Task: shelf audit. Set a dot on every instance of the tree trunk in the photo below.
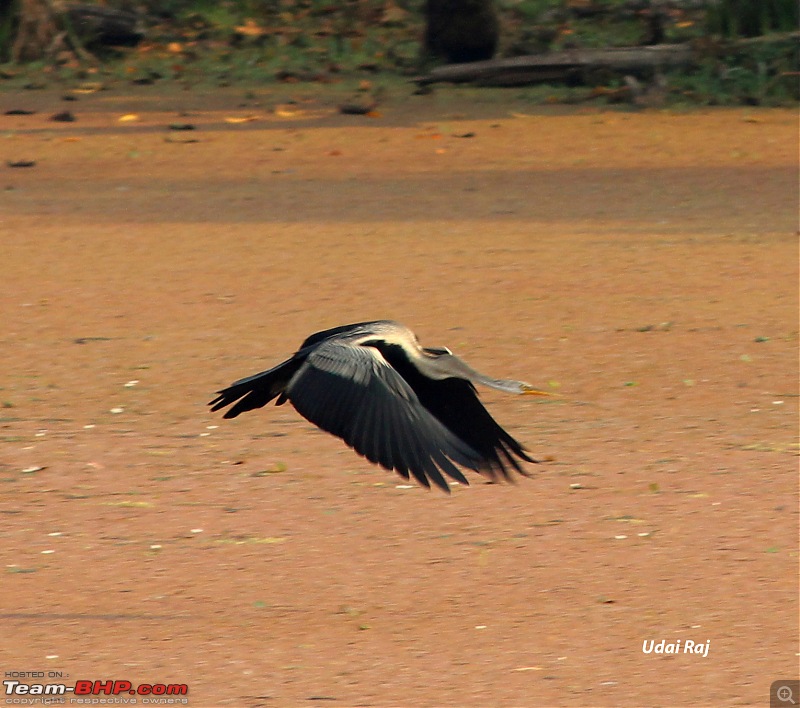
(36, 32)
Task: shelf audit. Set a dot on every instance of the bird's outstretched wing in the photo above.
(454, 402)
(352, 392)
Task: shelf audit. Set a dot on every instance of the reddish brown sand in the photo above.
(644, 264)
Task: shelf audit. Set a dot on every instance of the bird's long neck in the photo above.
(449, 365)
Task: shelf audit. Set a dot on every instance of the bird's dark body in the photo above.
(365, 383)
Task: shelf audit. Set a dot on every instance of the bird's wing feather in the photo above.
(352, 392)
(454, 402)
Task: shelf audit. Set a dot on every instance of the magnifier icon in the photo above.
(784, 694)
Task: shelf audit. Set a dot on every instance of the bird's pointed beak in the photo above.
(537, 392)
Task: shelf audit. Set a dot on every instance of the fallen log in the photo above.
(565, 66)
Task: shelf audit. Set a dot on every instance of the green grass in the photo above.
(196, 45)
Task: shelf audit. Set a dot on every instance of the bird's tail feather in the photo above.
(254, 391)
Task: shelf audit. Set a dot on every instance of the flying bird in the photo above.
(408, 408)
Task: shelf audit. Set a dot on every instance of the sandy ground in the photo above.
(642, 265)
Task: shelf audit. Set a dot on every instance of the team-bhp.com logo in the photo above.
(151, 692)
